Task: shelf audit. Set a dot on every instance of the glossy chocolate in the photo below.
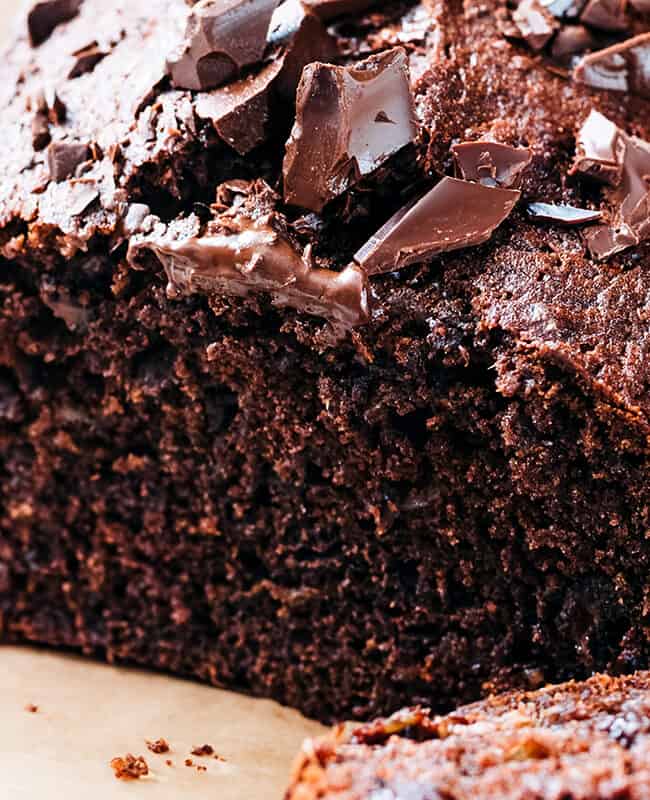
(535, 23)
(491, 163)
(599, 150)
(563, 214)
(624, 67)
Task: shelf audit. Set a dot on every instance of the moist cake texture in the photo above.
(302, 390)
(576, 740)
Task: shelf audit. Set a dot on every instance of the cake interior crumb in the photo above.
(129, 767)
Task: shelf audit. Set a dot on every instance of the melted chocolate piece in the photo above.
(599, 150)
(301, 38)
(328, 9)
(535, 23)
(491, 163)
(44, 17)
(608, 15)
(453, 215)
(624, 67)
(349, 121)
(563, 214)
(63, 158)
(222, 37)
(240, 110)
(245, 250)
(86, 59)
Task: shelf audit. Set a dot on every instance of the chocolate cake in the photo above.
(324, 343)
(577, 740)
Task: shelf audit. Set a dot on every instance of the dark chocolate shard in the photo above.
(563, 214)
(607, 15)
(221, 38)
(491, 163)
(624, 67)
(43, 18)
(341, 133)
(630, 204)
(86, 59)
(453, 215)
(298, 37)
(600, 149)
(40, 129)
(535, 23)
(246, 250)
(328, 9)
(240, 110)
(63, 158)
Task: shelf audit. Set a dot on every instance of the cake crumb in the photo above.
(169, 762)
(31, 708)
(203, 750)
(189, 762)
(158, 746)
(201, 768)
(129, 768)
(217, 757)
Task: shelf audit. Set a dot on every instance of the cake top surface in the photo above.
(362, 195)
(574, 740)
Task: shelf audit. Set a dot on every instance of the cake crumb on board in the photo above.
(129, 767)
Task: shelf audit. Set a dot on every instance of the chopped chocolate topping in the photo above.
(43, 17)
(608, 15)
(129, 768)
(40, 131)
(63, 158)
(240, 110)
(86, 58)
(158, 746)
(328, 9)
(222, 37)
(565, 215)
(535, 23)
(349, 121)
(599, 150)
(453, 215)
(302, 38)
(491, 163)
(241, 251)
(624, 67)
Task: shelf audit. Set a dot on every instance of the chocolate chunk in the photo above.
(328, 9)
(349, 121)
(491, 163)
(453, 215)
(629, 203)
(535, 23)
(86, 59)
(80, 196)
(44, 17)
(608, 15)
(240, 110)
(245, 250)
(564, 9)
(40, 131)
(564, 214)
(63, 158)
(222, 36)
(572, 40)
(600, 149)
(301, 38)
(624, 67)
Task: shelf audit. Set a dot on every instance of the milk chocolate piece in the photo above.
(63, 158)
(491, 163)
(300, 37)
(245, 250)
(240, 110)
(600, 149)
(563, 214)
(572, 40)
(43, 18)
(608, 15)
(86, 59)
(40, 130)
(624, 67)
(221, 38)
(453, 215)
(328, 9)
(535, 23)
(564, 9)
(349, 121)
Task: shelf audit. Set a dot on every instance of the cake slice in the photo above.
(576, 740)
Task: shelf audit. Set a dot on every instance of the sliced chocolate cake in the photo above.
(577, 740)
(325, 342)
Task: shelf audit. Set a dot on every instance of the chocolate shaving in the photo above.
(563, 214)
(536, 25)
(45, 16)
(86, 59)
(63, 158)
(221, 38)
(341, 132)
(608, 15)
(624, 67)
(453, 215)
(600, 149)
(491, 163)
